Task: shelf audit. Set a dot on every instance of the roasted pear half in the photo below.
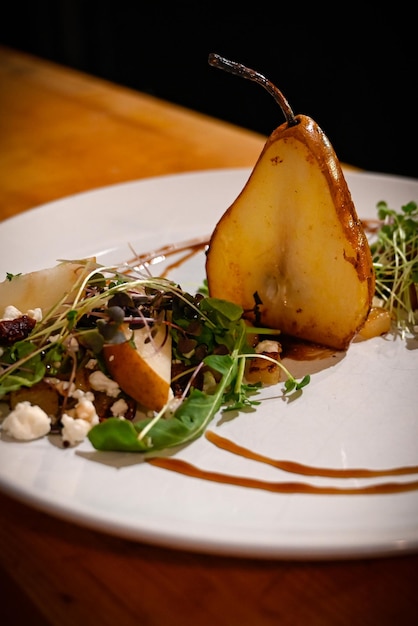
(291, 249)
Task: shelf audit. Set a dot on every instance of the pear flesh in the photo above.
(45, 288)
(142, 367)
(293, 241)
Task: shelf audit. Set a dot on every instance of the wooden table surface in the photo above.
(63, 132)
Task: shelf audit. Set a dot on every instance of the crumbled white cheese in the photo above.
(35, 314)
(77, 425)
(79, 393)
(65, 388)
(119, 407)
(85, 410)
(72, 344)
(27, 422)
(100, 382)
(74, 430)
(12, 313)
(268, 345)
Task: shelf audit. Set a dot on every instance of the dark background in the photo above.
(352, 68)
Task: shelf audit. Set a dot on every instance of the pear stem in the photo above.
(241, 70)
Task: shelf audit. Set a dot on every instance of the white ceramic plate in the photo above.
(361, 412)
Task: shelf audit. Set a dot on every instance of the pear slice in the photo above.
(142, 367)
(291, 249)
(45, 288)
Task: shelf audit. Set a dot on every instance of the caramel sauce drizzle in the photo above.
(187, 469)
(189, 248)
(306, 470)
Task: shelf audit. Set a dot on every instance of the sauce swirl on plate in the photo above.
(183, 467)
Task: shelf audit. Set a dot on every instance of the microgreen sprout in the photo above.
(10, 276)
(395, 261)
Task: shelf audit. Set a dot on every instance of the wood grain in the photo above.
(62, 132)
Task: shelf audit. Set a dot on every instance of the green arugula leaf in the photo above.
(26, 367)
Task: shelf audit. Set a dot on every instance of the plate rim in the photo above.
(376, 549)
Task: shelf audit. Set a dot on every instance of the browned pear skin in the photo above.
(293, 237)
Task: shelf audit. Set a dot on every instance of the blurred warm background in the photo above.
(353, 69)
